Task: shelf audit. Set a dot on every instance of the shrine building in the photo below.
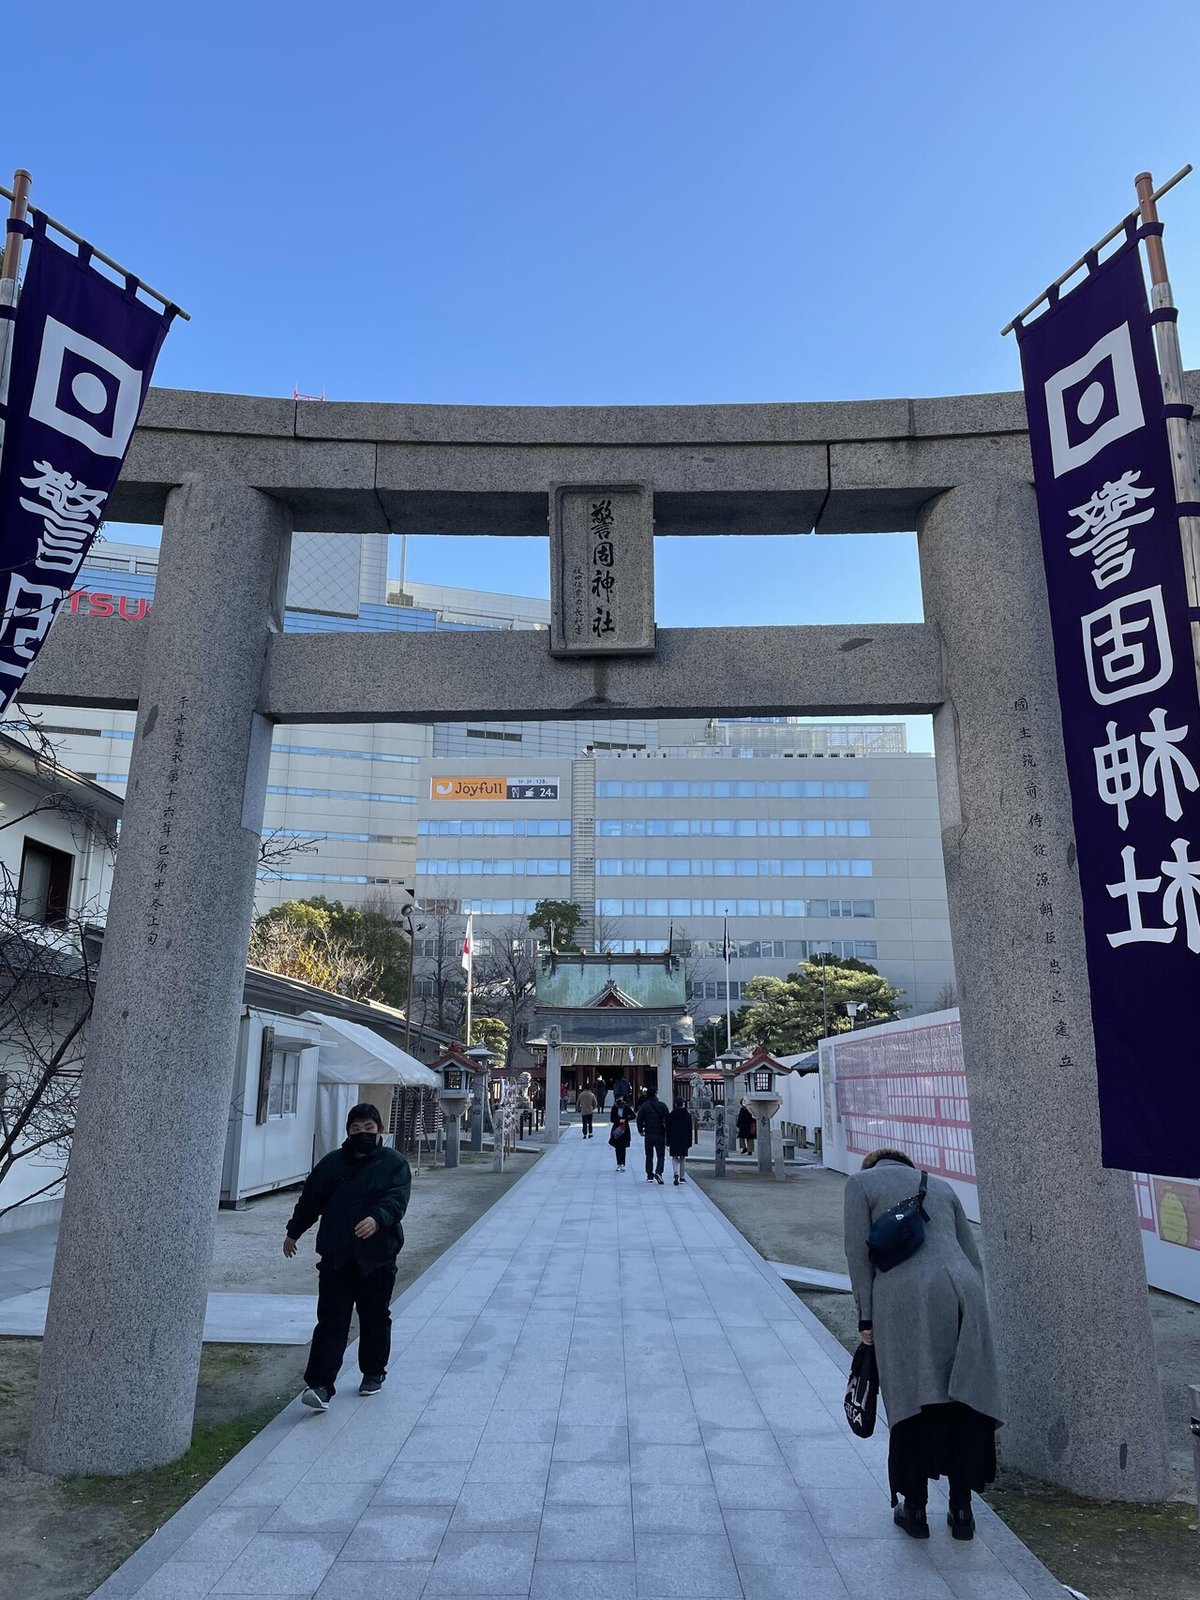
(611, 1016)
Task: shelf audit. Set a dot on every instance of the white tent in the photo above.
(352, 1055)
(800, 1091)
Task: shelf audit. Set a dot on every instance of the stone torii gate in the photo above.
(209, 673)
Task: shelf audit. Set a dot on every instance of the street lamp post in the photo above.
(412, 929)
(853, 1007)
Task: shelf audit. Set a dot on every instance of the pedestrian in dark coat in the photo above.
(623, 1091)
(620, 1136)
(679, 1138)
(360, 1192)
(928, 1320)
(747, 1130)
(652, 1125)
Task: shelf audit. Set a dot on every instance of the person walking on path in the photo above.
(620, 1137)
(586, 1105)
(360, 1192)
(747, 1130)
(928, 1320)
(652, 1125)
(622, 1091)
(679, 1138)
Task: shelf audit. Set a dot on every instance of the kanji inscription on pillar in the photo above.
(601, 570)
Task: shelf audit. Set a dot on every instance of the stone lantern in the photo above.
(482, 1060)
(729, 1065)
(456, 1070)
(762, 1072)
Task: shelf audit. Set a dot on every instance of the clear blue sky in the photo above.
(504, 201)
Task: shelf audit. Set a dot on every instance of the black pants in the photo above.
(587, 1123)
(620, 1149)
(656, 1151)
(342, 1291)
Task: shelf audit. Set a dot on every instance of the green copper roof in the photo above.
(567, 981)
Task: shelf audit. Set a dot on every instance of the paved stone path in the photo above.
(601, 1390)
(27, 1264)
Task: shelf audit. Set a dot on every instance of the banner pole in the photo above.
(10, 271)
(1170, 369)
(1083, 260)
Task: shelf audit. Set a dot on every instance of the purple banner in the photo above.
(83, 351)
(1128, 698)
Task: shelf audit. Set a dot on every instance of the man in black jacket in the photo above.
(360, 1193)
(652, 1125)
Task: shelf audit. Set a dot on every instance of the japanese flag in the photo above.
(468, 949)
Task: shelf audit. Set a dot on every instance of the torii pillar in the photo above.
(139, 1216)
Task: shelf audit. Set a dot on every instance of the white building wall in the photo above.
(91, 884)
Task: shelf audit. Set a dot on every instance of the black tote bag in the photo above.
(862, 1392)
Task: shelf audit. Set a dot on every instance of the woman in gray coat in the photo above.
(928, 1321)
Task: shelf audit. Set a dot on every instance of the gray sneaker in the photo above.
(372, 1384)
(316, 1397)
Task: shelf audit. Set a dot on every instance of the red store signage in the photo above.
(100, 604)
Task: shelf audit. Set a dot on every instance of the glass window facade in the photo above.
(493, 908)
(806, 950)
(697, 867)
(731, 789)
(343, 794)
(344, 755)
(732, 827)
(495, 827)
(703, 908)
(322, 833)
(541, 867)
(274, 874)
(777, 949)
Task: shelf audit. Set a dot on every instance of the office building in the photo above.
(811, 837)
(807, 851)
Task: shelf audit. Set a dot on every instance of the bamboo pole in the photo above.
(1170, 368)
(1083, 260)
(10, 271)
(76, 238)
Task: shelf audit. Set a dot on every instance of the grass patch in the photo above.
(160, 1491)
(1030, 1507)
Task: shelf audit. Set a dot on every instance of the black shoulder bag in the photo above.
(900, 1232)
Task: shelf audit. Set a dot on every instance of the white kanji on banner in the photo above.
(28, 613)
(1127, 647)
(1121, 775)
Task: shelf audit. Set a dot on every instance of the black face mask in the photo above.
(361, 1144)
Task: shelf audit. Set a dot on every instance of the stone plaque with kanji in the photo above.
(601, 570)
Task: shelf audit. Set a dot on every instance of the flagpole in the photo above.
(728, 1024)
(10, 271)
(1170, 368)
(470, 966)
